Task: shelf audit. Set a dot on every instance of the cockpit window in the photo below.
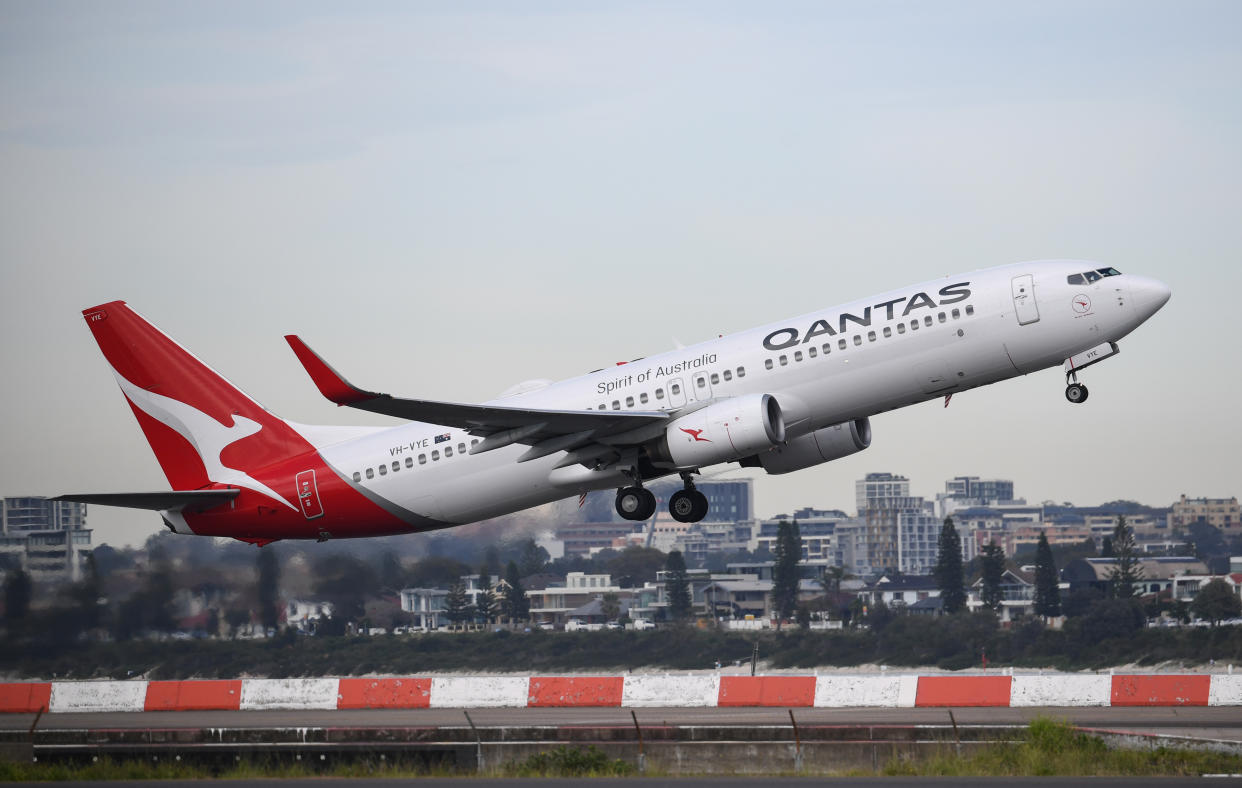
(1075, 279)
(1092, 276)
(1108, 272)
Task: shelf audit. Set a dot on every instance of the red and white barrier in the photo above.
(673, 691)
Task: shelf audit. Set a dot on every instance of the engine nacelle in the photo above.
(723, 432)
(823, 445)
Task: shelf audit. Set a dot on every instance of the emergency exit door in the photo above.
(308, 495)
(1024, 299)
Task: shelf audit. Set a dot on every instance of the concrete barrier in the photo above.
(1161, 690)
(866, 691)
(25, 696)
(767, 691)
(193, 695)
(575, 691)
(384, 694)
(671, 691)
(479, 692)
(963, 691)
(1226, 691)
(289, 694)
(1060, 690)
(69, 696)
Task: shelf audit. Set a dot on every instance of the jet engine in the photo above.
(722, 432)
(823, 445)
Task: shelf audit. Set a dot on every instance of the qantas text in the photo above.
(783, 338)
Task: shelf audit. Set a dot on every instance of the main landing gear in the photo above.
(1075, 392)
(687, 505)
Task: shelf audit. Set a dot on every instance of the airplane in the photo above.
(781, 397)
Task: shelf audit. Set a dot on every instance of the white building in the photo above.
(47, 539)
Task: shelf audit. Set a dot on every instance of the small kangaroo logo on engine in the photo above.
(696, 434)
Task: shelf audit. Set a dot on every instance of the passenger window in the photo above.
(767, 363)
(857, 339)
(812, 352)
(914, 325)
(888, 332)
(383, 470)
(616, 405)
(674, 389)
(629, 402)
(700, 381)
(474, 443)
(940, 317)
(784, 360)
(901, 328)
(956, 314)
(642, 397)
(448, 451)
(396, 465)
(370, 473)
(927, 321)
(741, 372)
(435, 455)
(422, 459)
(727, 375)
(602, 406)
(409, 462)
(870, 336)
(461, 448)
(1075, 279)
(827, 348)
(970, 310)
(1092, 276)
(715, 378)
(797, 355)
(357, 476)
(659, 393)
(840, 344)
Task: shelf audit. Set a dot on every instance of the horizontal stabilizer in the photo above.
(176, 500)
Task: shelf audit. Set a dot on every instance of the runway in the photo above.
(1210, 722)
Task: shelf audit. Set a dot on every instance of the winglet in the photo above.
(328, 380)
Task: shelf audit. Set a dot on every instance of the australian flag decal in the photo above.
(445, 438)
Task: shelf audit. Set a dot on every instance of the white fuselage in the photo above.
(892, 350)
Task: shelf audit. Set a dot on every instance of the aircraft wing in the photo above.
(179, 500)
(547, 431)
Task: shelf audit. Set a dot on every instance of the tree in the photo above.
(1047, 592)
(269, 588)
(533, 558)
(948, 569)
(457, 604)
(517, 606)
(1126, 573)
(485, 602)
(1216, 601)
(993, 571)
(610, 606)
(635, 565)
(785, 574)
(17, 593)
(677, 586)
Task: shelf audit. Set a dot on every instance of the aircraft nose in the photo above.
(1148, 295)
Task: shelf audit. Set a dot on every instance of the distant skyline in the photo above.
(446, 199)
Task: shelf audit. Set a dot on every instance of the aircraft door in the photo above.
(702, 387)
(676, 393)
(308, 494)
(1024, 299)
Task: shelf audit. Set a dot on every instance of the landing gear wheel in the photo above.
(1076, 393)
(688, 506)
(635, 503)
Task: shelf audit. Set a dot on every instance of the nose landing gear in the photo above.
(1075, 392)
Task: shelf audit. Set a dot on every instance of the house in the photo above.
(426, 606)
(1156, 573)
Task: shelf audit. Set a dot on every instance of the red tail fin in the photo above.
(201, 427)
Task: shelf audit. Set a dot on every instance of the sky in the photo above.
(447, 198)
